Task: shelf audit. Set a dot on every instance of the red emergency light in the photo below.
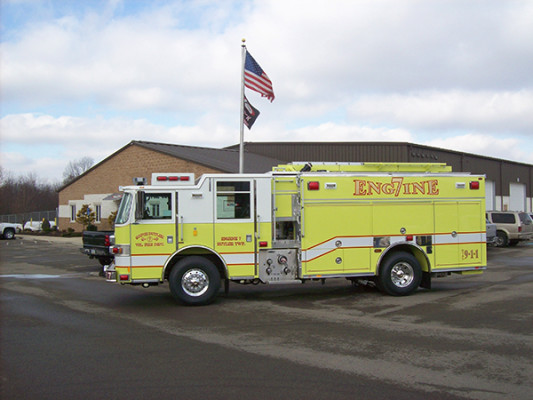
(173, 178)
(474, 185)
(313, 185)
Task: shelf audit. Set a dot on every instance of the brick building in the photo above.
(98, 187)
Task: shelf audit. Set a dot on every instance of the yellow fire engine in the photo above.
(398, 224)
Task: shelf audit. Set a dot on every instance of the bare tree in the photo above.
(76, 168)
(25, 193)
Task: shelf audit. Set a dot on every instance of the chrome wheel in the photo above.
(402, 274)
(195, 282)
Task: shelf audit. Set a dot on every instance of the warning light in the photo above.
(474, 185)
(116, 250)
(313, 185)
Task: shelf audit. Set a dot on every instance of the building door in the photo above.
(490, 195)
(517, 197)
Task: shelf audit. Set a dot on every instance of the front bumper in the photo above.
(491, 240)
(110, 272)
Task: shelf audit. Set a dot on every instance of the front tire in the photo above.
(194, 281)
(400, 274)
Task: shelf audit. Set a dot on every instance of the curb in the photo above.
(52, 239)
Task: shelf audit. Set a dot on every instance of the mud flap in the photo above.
(426, 280)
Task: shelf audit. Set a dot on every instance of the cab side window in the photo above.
(157, 206)
(233, 200)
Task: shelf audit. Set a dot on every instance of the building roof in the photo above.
(225, 160)
(358, 151)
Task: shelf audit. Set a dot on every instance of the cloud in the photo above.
(332, 132)
(29, 137)
(156, 58)
(450, 110)
(487, 145)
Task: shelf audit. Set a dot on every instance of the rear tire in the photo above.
(9, 234)
(194, 281)
(501, 239)
(105, 260)
(400, 274)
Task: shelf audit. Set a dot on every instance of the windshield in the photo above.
(123, 212)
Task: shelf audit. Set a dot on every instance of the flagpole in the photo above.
(241, 145)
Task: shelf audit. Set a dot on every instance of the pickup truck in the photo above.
(96, 245)
(7, 230)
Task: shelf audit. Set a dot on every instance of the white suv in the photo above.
(512, 227)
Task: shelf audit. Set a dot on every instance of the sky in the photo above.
(84, 78)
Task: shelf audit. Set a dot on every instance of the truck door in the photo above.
(238, 226)
(153, 234)
(458, 234)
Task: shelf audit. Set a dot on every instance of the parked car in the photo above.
(7, 230)
(512, 227)
(492, 233)
(36, 226)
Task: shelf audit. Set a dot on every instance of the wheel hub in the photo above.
(402, 274)
(195, 282)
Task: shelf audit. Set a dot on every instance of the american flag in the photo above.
(256, 79)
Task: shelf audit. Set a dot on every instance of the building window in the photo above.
(73, 213)
(98, 213)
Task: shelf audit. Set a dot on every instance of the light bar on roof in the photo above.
(172, 179)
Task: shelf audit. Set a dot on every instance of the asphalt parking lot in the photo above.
(68, 333)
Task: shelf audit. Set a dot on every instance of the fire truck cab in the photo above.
(396, 224)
